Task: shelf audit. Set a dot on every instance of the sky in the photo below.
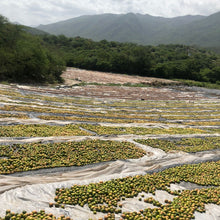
(35, 12)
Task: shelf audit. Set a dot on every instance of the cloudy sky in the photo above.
(35, 12)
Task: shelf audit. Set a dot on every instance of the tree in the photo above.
(24, 58)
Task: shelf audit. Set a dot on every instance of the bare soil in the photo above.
(156, 89)
(73, 76)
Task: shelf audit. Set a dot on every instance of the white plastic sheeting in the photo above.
(35, 191)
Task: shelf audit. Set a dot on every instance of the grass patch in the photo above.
(199, 84)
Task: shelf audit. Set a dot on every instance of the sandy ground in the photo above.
(73, 76)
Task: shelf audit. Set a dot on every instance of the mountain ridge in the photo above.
(142, 29)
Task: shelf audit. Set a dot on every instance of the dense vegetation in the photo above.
(29, 55)
(23, 58)
(165, 61)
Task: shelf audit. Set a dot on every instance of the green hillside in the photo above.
(163, 61)
(24, 58)
(33, 31)
(142, 29)
(204, 32)
(28, 55)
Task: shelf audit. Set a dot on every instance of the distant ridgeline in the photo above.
(164, 61)
(144, 29)
(29, 55)
(25, 58)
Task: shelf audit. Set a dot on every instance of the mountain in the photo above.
(142, 29)
(204, 32)
(33, 31)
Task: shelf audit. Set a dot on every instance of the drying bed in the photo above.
(106, 196)
(88, 119)
(33, 215)
(184, 144)
(21, 116)
(37, 130)
(175, 115)
(203, 123)
(107, 130)
(148, 136)
(17, 158)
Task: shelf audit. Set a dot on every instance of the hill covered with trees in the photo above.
(164, 61)
(28, 55)
(24, 58)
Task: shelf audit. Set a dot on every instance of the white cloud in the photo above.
(32, 12)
